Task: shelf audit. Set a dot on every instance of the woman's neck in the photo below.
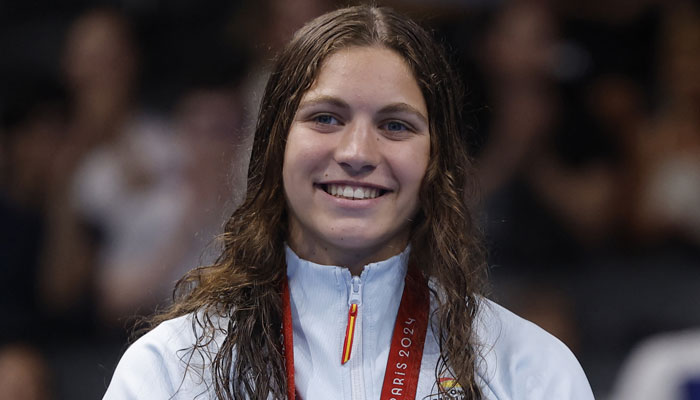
(353, 259)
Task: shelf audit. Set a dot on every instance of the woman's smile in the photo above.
(353, 191)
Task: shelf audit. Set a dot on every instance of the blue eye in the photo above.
(395, 126)
(326, 119)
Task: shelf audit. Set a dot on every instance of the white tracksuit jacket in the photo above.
(520, 360)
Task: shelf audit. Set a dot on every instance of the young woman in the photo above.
(352, 269)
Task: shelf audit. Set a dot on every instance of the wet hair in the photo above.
(243, 286)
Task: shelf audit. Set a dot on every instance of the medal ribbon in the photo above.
(406, 351)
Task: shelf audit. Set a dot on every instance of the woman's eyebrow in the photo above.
(331, 100)
(403, 108)
(388, 109)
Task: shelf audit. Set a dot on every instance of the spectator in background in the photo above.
(99, 69)
(189, 210)
(666, 155)
(591, 228)
(520, 170)
(517, 57)
(153, 192)
(49, 290)
(33, 124)
(116, 205)
(663, 166)
(646, 188)
(523, 53)
(120, 172)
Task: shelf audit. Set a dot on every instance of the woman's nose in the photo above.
(358, 149)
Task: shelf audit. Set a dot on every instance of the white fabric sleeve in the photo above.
(524, 362)
(161, 365)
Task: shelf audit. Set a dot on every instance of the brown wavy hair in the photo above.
(243, 286)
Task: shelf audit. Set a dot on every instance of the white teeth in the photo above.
(350, 192)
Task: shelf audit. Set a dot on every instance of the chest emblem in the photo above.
(443, 387)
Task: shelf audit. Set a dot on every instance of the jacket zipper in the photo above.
(354, 325)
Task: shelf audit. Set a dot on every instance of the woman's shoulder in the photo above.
(167, 334)
(521, 358)
(164, 363)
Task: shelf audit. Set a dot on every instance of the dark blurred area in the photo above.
(125, 133)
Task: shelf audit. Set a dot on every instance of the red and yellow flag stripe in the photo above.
(349, 333)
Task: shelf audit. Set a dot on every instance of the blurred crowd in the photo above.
(125, 133)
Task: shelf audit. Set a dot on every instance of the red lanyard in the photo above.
(406, 351)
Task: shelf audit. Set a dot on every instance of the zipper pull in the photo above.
(354, 300)
(355, 291)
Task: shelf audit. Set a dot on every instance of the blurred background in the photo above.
(125, 133)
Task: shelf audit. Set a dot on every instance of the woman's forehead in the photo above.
(367, 73)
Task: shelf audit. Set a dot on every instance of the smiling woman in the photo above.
(352, 270)
(355, 158)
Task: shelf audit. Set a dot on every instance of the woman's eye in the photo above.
(326, 119)
(395, 126)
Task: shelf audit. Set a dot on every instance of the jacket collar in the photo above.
(314, 285)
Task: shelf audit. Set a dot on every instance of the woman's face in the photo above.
(355, 157)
